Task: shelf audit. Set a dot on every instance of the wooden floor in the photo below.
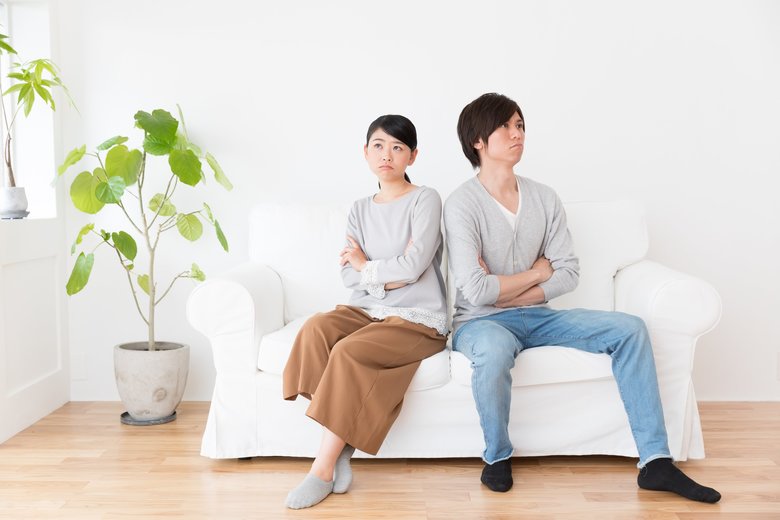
(81, 463)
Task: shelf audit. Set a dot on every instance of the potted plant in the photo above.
(150, 374)
(33, 79)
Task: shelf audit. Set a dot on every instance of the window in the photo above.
(32, 147)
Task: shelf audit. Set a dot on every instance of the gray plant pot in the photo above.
(13, 202)
(151, 383)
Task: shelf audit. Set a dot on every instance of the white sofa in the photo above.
(564, 402)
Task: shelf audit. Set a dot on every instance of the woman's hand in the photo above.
(353, 255)
(483, 265)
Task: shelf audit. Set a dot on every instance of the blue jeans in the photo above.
(493, 342)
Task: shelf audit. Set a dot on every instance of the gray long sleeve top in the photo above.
(475, 227)
(384, 231)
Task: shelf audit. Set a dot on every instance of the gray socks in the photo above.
(343, 472)
(310, 492)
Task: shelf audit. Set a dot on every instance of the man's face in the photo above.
(505, 144)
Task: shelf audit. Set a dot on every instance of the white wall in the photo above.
(673, 103)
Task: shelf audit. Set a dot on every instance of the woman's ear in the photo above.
(365, 151)
(413, 156)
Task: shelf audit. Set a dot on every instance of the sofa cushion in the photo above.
(275, 349)
(301, 242)
(544, 365)
(608, 236)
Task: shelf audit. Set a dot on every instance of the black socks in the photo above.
(498, 476)
(662, 475)
(657, 475)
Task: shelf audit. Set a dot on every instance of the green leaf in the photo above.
(29, 101)
(5, 46)
(80, 274)
(82, 193)
(219, 175)
(196, 273)
(125, 244)
(186, 166)
(155, 146)
(117, 139)
(143, 282)
(189, 226)
(160, 128)
(221, 236)
(124, 163)
(181, 118)
(208, 212)
(26, 88)
(44, 95)
(167, 210)
(111, 191)
(86, 229)
(195, 148)
(72, 158)
(183, 143)
(13, 88)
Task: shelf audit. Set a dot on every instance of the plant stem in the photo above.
(180, 275)
(151, 249)
(166, 197)
(132, 288)
(9, 170)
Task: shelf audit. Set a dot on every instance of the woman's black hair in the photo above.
(397, 126)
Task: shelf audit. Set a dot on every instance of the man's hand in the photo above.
(353, 255)
(522, 288)
(544, 267)
(532, 296)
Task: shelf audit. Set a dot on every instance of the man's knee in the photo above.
(630, 324)
(487, 344)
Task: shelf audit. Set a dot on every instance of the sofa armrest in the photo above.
(234, 310)
(667, 300)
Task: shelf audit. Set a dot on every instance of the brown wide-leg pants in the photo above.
(356, 370)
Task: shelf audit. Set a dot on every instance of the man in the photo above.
(510, 252)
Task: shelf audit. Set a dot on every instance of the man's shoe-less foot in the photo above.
(662, 475)
(498, 476)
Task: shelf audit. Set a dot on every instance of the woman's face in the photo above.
(388, 157)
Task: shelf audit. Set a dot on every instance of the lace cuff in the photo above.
(368, 277)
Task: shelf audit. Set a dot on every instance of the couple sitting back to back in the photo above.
(509, 253)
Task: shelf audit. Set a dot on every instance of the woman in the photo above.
(355, 363)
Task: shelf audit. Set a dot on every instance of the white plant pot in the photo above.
(151, 383)
(13, 202)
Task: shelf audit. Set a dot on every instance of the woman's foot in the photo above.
(310, 492)
(342, 477)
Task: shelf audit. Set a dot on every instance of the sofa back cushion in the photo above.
(301, 243)
(608, 236)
